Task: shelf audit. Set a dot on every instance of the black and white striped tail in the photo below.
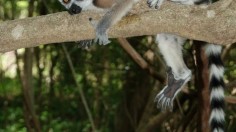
(216, 70)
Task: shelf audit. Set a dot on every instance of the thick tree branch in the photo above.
(214, 24)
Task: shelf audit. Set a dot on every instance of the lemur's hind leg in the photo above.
(178, 74)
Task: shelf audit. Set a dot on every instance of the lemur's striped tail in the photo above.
(216, 70)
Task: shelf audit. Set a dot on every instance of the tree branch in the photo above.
(214, 24)
(81, 91)
(139, 59)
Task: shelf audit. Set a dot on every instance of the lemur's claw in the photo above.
(84, 44)
(102, 39)
(163, 102)
(157, 7)
(155, 3)
(165, 98)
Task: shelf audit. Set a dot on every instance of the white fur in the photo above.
(155, 3)
(85, 4)
(171, 48)
(218, 115)
(213, 49)
(185, 2)
(218, 130)
(158, 3)
(217, 94)
(217, 71)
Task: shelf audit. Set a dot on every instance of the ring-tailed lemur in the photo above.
(115, 10)
(178, 74)
(171, 48)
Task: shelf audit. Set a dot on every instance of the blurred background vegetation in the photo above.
(107, 88)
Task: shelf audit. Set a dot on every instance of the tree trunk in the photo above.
(202, 83)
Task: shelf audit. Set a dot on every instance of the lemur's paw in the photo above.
(84, 44)
(101, 38)
(165, 98)
(163, 101)
(101, 35)
(189, 2)
(155, 3)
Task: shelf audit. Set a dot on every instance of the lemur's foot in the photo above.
(155, 3)
(84, 44)
(165, 98)
(101, 35)
(189, 2)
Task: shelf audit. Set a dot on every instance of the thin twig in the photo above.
(230, 99)
(179, 105)
(81, 92)
(226, 51)
(139, 59)
(132, 122)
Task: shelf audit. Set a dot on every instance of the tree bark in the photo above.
(202, 84)
(215, 24)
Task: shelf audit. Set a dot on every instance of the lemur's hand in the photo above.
(101, 33)
(155, 3)
(101, 37)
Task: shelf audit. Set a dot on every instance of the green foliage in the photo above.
(11, 115)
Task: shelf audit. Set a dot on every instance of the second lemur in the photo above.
(178, 74)
(115, 10)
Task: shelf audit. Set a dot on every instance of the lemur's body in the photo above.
(178, 74)
(171, 49)
(115, 10)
